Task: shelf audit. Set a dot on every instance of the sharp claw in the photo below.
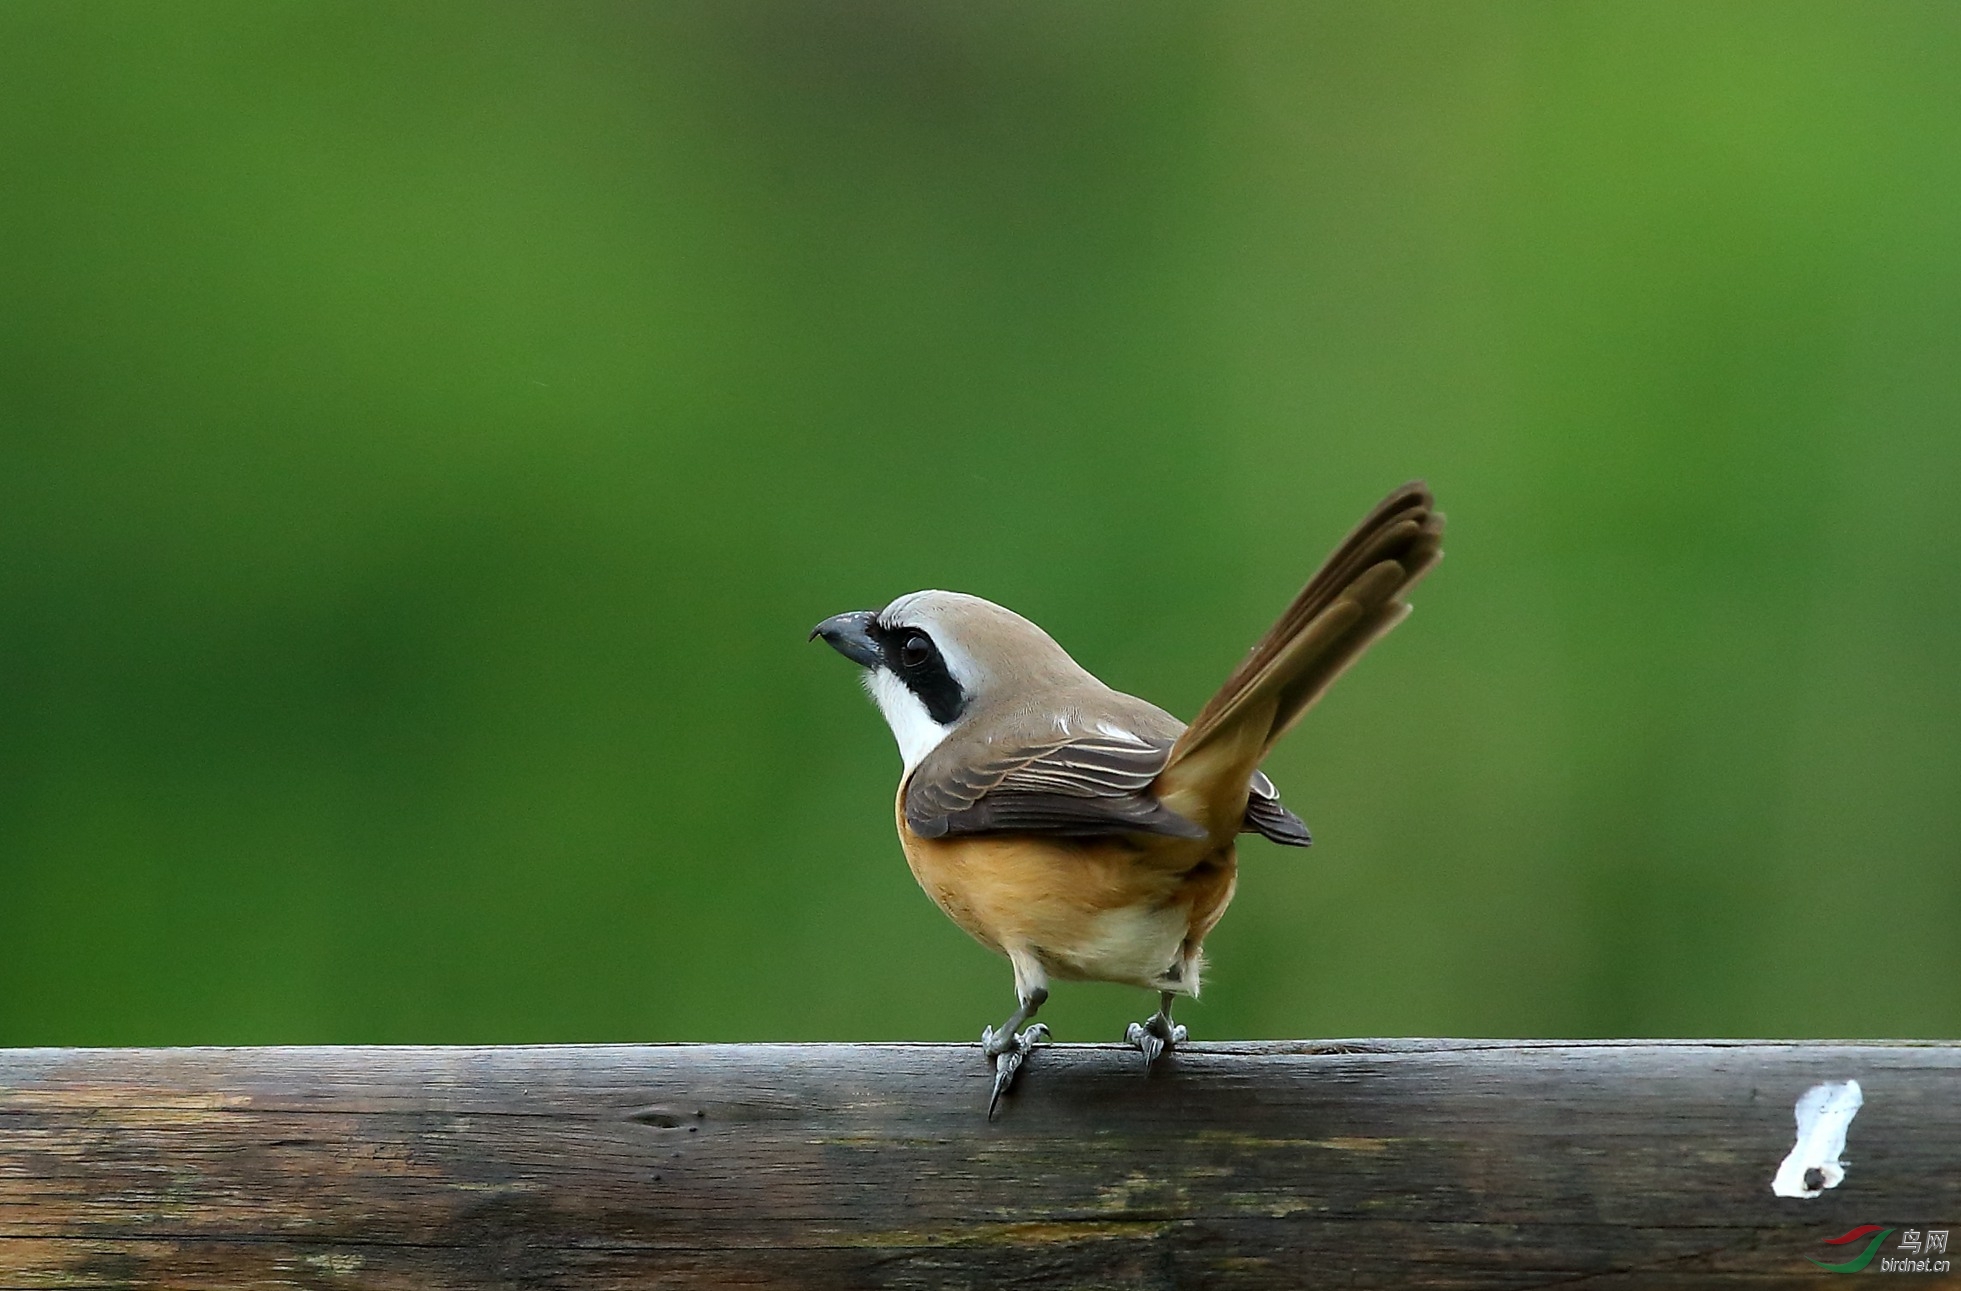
(1148, 1040)
(1007, 1062)
(1147, 1043)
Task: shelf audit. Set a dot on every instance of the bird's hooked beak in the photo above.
(851, 636)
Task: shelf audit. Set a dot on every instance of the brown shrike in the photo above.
(1082, 832)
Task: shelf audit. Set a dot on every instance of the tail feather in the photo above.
(1355, 598)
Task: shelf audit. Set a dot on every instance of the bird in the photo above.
(1087, 834)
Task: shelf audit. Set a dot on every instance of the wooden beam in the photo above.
(1362, 1164)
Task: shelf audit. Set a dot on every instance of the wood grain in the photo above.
(1362, 1164)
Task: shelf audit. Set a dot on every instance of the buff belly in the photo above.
(1106, 910)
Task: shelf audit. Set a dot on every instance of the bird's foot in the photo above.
(1152, 1038)
(1009, 1051)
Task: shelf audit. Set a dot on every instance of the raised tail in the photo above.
(1355, 597)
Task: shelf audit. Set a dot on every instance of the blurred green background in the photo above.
(428, 431)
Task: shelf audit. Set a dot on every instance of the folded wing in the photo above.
(1078, 781)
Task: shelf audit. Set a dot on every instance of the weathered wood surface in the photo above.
(1366, 1164)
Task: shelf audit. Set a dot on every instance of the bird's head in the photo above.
(932, 659)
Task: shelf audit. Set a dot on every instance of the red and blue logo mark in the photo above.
(1874, 1232)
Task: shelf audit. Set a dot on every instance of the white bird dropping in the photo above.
(1824, 1115)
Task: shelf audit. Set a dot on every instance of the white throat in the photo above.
(912, 726)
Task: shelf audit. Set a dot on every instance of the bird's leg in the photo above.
(1159, 1033)
(1009, 1046)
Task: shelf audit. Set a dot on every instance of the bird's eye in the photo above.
(916, 651)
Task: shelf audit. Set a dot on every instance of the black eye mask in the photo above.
(912, 657)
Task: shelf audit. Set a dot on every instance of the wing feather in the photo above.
(1076, 783)
(1073, 784)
